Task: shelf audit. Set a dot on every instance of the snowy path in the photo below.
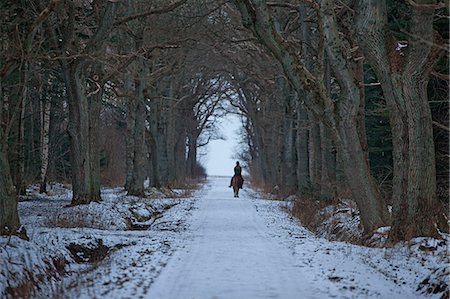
(247, 248)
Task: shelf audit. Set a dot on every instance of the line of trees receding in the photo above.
(338, 59)
(334, 97)
(104, 92)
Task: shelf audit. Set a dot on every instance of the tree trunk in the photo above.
(162, 157)
(19, 176)
(180, 154)
(154, 160)
(82, 135)
(328, 184)
(138, 176)
(315, 154)
(192, 154)
(9, 216)
(129, 137)
(414, 188)
(404, 75)
(328, 188)
(303, 174)
(158, 130)
(136, 186)
(290, 169)
(364, 189)
(171, 135)
(45, 130)
(136, 166)
(95, 105)
(19, 165)
(341, 117)
(350, 132)
(78, 130)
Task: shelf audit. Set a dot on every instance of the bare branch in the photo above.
(285, 5)
(441, 126)
(151, 12)
(427, 6)
(440, 75)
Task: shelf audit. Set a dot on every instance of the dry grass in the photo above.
(306, 209)
(78, 218)
(322, 218)
(189, 184)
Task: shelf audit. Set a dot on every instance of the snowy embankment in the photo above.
(418, 269)
(106, 243)
(210, 245)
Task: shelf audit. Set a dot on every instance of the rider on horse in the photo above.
(238, 172)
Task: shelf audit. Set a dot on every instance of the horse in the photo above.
(236, 183)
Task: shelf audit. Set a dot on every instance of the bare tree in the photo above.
(403, 68)
(343, 116)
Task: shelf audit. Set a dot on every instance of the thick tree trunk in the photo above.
(180, 155)
(136, 145)
(350, 132)
(78, 129)
(264, 169)
(136, 186)
(83, 128)
(328, 186)
(404, 74)
(192, 154)
(19, 177)
(82, 135)
(9, 216)
(414, 186)
(158, 130)
(364, 189)
(171, 136)
(95, 104)
(162, 158)
(267, 161)
(129, 137)
(19, 162)
(151, 141)
(277, 149)
(290, 169)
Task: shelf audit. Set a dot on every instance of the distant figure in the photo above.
(238, 173)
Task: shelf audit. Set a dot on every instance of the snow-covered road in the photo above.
(204, 245)
(249, 248)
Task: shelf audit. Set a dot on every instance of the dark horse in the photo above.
(237, 184)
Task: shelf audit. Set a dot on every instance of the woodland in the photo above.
(344, 98)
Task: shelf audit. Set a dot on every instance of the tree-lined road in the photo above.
(232, 251)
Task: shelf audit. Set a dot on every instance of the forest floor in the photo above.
(209, 245)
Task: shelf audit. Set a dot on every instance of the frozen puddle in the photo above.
(243, 248)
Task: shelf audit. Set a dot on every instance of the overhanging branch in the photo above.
(151, 12)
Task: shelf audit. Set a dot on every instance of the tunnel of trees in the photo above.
(336, 98)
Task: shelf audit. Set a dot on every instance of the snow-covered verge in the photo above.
(108, 243)
(422, 264)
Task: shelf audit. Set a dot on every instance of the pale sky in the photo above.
(219, 155)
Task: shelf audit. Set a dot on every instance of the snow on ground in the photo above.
(251, 248)
(112, 248)
(210, 245)
(357, 271)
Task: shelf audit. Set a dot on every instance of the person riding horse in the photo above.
(237, 172)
